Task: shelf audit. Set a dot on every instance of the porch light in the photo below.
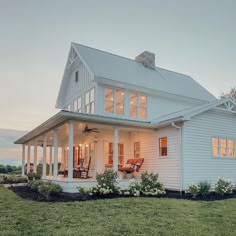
(67, 148)
(80, 145)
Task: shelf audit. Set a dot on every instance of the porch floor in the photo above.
(71, 186)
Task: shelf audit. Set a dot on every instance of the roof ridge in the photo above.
(113, 54)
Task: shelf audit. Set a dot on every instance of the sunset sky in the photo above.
(196, 38)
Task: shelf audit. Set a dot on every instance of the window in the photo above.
(223, 147)
(138, 105)
(89, 102)
(109, 154)
(114, 101)
(76, 76)
(163, 146)
(137, 150)
(109, 97)
(75, 105)
(68, 107)
(79, 105)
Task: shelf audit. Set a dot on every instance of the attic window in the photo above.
(76, 76)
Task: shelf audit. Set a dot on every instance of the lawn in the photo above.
(123, 216)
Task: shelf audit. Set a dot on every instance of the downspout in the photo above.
(180, 153)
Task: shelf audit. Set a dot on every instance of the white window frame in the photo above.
(220, 156)
(139, 95)
(90, 103)
(167, 146)
(114, 101)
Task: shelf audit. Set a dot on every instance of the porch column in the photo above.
(115, 150)
(28, 159)
(23, 160)
(44, 155)
(50, 162)
(71, 143)
(55, 145)
(35, 156)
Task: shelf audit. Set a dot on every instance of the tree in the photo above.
(230, 94)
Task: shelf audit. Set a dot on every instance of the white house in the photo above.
(113, 109)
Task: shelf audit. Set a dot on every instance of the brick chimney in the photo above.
(147, 59)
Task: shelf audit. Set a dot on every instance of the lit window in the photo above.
(133, 104)
(89, 101)
(109, 104)
(120, 102)
(109, 154)
(223, 147)
(79, 104)
(163, 146)
(230, 147)
(137, 150)
(114, 101)
(138, 105)
(215, 147)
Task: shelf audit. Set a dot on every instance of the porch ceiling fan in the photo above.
(90, 130)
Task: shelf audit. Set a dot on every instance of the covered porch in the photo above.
(80, 139)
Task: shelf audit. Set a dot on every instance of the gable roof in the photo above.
(124, 70)
(186, 114)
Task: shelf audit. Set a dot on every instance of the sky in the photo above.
(196, 38)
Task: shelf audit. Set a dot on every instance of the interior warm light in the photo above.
(80, 145)
(86, 145)
(67, 148)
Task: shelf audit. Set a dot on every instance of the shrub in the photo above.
(12, 179)
(223, 187)
(204, 188)
(30, 175)
(134, 189)
(150, 184)
(35, 184)
(106, 184)
(47, 189)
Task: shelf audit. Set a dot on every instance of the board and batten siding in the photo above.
(168, 168)
(199, 164)
(74, 89)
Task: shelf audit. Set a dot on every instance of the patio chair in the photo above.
(76, 171)
(84, 170)
(132, 165)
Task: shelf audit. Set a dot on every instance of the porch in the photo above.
(99, 145)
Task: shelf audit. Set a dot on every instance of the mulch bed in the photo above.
(27, 193)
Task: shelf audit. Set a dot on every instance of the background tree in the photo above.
(230, 94)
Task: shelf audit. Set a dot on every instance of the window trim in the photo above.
(134, 151)
(114, 101)
(138, 94)
(219, 148)
(89, 104)
(167, 147)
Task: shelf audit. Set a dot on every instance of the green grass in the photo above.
(124, 216)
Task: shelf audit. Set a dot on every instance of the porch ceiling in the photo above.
(61, 118)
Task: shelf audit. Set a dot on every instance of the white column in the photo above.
(115, 150)
(71, 143)
(35, 157)
(28, 159)
(50, 162)
(55, 145)
(23, 160)
(44, 156)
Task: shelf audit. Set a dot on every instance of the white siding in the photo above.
(168, 168)
(199, 165)
(72, 89)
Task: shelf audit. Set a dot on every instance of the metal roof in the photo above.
(124, 70)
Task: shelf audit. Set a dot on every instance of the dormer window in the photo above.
(76, 76)
(114, 101)
(138, 105)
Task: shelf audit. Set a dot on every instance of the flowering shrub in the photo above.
(193, 189)
(223, 187)
(106, 184)
(203, 189)
(149, 186)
